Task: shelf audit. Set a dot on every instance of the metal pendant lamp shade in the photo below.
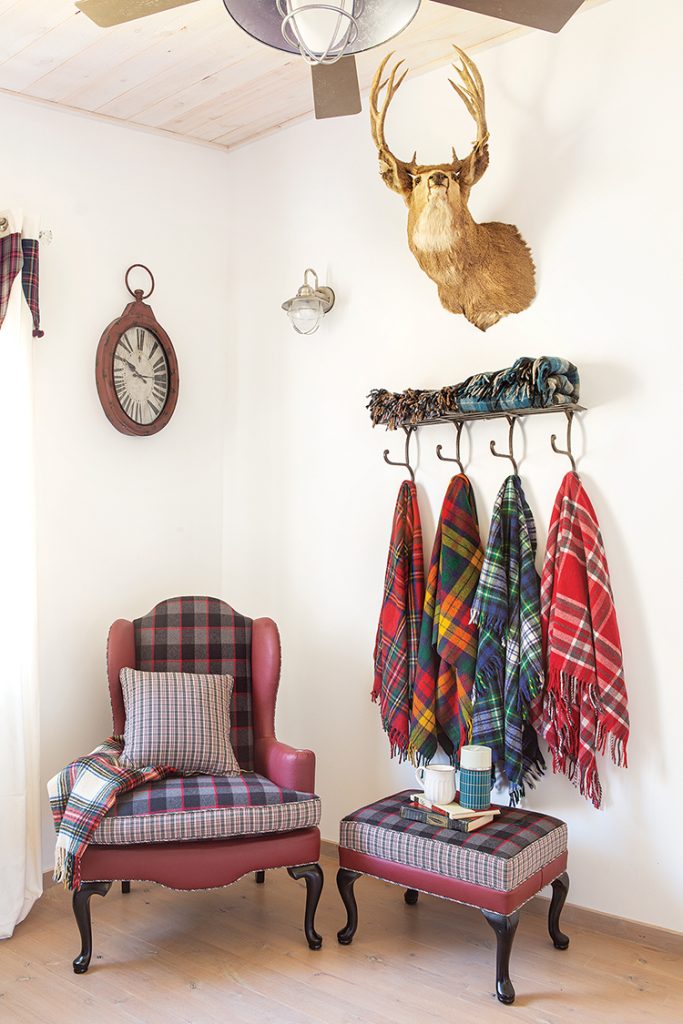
(322, 32)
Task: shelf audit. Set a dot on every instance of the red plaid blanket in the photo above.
(80, 796)
(398, 631)
(585, 698)
(442, 696)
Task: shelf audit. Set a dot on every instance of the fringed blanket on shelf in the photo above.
(80, 796)
(442, 695)
(528, 384)
(509, 672)
(585, 701)
(398, 632)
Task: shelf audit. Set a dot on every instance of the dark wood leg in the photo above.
(505, 927)
(125, 888)
(560, 890)
(314, 886)
(81, 907)
(411, 896)
(260, 877)
(345, 882)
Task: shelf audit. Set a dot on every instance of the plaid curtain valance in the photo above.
(19, 254)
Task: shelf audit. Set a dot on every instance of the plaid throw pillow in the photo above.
(179, 720)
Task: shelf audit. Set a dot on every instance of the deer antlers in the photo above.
(396, 173)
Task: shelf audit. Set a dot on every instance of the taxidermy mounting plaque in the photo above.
(484, 271)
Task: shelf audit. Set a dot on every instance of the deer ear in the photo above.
(394, 175)
(474, 165)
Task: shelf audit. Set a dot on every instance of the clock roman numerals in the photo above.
(140, 373)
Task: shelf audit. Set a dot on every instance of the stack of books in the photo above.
(453, 816)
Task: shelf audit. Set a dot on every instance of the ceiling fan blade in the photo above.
(336, 92)
(550, 17)
(107, 13)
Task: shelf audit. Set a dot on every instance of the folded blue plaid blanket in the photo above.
(528, 384)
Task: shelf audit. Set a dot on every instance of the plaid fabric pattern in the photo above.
(10, 265)
(30, 248)
(203, 635)
(509, 673)
(528, 384)
(81, 794)
(206, 807)
(178, 719)
(500, 856)
(585, 701)
(398, 631)
(442, 694)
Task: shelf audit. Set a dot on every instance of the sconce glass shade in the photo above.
(322, 32)
(309, 305)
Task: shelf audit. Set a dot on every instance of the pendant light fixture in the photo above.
(321, 32)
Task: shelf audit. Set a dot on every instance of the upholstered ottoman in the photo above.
(497, 868)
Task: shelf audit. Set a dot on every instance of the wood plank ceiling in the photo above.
(191, 72)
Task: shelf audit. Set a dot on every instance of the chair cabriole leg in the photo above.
(505, 926)
(313, 875)
(560, 890)
(81, 908)
(345, 882)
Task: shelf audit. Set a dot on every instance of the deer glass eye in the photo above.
(416, 181)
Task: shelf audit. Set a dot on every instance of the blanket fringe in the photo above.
(67, 869)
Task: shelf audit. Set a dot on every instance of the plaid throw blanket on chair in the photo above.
(509, 672)
(442, 696)
(398, 631)
(80, 796)
(585, 699)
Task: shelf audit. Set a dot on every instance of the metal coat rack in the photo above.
(459, 419)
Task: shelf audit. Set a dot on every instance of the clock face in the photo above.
(141, 375)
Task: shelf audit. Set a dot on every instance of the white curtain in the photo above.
(20, 860)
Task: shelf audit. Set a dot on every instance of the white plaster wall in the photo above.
(585, 158)
(122, 522)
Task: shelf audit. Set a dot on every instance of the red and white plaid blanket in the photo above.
(585, 699)
(80, 796)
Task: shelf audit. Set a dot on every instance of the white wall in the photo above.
(585, 160)
(123, 522)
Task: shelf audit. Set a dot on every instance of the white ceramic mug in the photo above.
(438, 782)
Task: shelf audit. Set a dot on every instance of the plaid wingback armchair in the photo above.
(203, 832)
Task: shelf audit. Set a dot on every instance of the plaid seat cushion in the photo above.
(205, 807)
(203, 635)
(179, 720)
(500, 856)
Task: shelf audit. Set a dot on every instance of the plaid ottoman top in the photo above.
(179, 809)
(500, 856)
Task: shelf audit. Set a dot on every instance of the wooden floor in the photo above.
(238, 956)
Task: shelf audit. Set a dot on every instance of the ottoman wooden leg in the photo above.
(345, 883)
(260, 877)
(505, 927)
(411, 896)
(314, 886)
(560, 890)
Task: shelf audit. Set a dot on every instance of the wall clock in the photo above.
(136, 368)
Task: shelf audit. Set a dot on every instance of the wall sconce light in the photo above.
(309, 305)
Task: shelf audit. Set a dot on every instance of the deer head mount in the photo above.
(484, 271)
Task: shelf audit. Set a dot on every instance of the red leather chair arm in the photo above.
(284, 765)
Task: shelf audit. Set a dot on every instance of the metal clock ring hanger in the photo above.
(138, 293)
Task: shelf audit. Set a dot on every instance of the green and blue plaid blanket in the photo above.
(509, 672)
(80, 796)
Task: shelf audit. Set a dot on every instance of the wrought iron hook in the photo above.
(510, 454)
(569, 413)
(458, 424)
(409, 432)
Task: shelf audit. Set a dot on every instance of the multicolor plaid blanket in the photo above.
(585, 699)
(442, 695)
(80, 796)
(509, 672)
(398, 631)
(528, 384)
